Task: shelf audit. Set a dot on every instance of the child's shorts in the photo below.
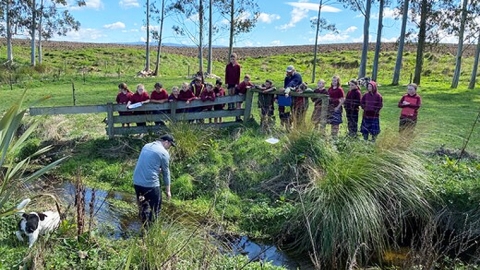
(335, 118)
(370, 126)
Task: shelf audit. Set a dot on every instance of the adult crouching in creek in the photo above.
(153, 160)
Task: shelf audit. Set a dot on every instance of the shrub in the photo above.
(355, 200)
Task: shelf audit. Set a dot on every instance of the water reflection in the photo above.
(119, 223)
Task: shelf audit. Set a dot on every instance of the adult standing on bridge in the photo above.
(153, 160)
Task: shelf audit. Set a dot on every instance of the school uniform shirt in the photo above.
(242, 87)
(197, 89)
(410, 111)
(335, 95)
(372, 103)
(159, 95)
(186, 95)
(123, 98)
(352, 100)
(232, 74)
(219, 92)
(136, 97)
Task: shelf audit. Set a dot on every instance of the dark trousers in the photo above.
(149, 201)
(352, 122)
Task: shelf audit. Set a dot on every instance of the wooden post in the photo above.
(248, 106)
(173, 111)
(110, 120)
(73, 94)
(323, 113)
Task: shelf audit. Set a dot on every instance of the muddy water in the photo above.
(118, 223)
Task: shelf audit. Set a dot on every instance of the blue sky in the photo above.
(280, 23)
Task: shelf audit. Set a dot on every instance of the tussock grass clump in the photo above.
(356, 200)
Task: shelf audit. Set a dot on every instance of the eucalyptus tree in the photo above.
(242, 16)
(147, 45)
(30, 16)
(365, 7)
(189, 17)
(473, 76)
(401, 43)
(378, 43)
(319, 23)
(159, 16)
(463, 25)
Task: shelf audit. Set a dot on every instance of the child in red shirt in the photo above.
(317, 102)
(208, 95)
(242, 89)
(123, 97)
(337, 98)
(410, 103)
(140, 96)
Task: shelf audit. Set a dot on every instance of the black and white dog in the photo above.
(363, 81)
(35, 224)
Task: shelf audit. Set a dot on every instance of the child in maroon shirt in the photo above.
(372, 103)
(242, 89)
(410, 103)
(208, 95)
(337, 98)
(123, 97)
(140, 96)
(352, 104)
(232, 77)
(159, 95)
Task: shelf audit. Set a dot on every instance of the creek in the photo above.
(118, 223)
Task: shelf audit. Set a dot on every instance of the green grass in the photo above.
(256, 188)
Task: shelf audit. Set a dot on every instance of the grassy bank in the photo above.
(299, 192)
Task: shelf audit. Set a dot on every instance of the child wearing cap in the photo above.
(159, 95)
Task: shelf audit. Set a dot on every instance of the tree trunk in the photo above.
(232, 28)
(160, 32)
(9, 33)
(379, 40)
(366, 25)
(316, 41)
(458, 62)
(32, 45)
(401, 44)
(210, 34)
(40, 33)
(147, 47)
(473, 77)
(200, 40)
(421, 42)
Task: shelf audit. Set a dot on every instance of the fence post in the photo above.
(110, 120)
(173, 111)
(248, 106)
(73, 94)
(323, 113)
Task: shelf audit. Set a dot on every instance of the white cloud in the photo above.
(276, 43)
(313, 6)
(389, 40)
(113, 26)
(89, 4)
(83, 35)
(300, 11)
(297, 14)
(332, 38)
(129, 3)
(351, 29)
(388, 13)
(268, 18)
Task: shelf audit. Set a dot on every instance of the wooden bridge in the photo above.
(170, 112)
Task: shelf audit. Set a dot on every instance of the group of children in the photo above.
(370, 102)
(291, 109)
(187, 93)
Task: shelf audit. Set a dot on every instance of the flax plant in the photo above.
(357, 201)
(14, 173)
